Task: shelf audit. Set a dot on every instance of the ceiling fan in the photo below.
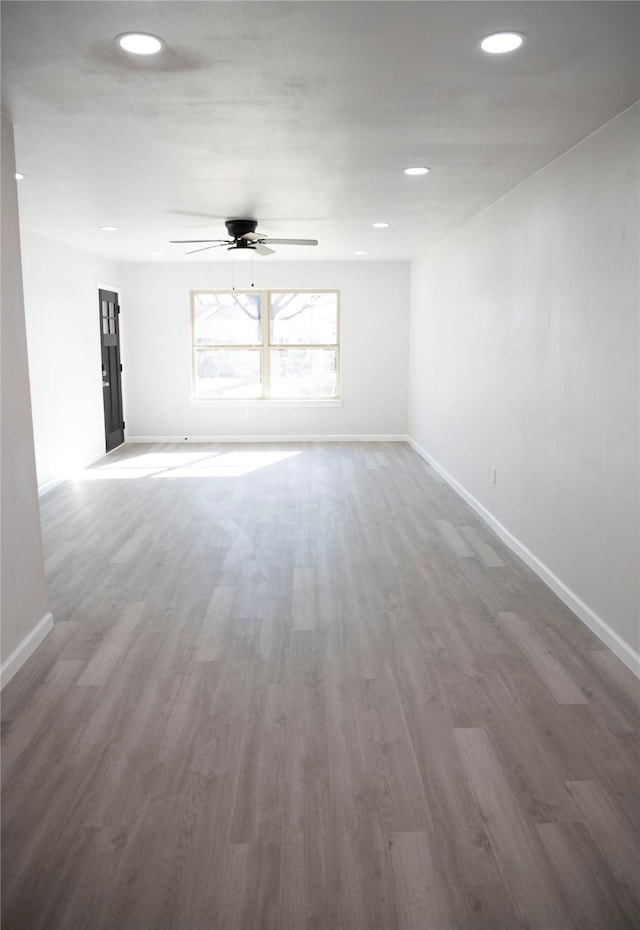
(243, 235)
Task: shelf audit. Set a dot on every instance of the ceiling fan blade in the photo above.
(206, 247)
(205, 216)
(262, 249)
(187, 241)
(289, 241)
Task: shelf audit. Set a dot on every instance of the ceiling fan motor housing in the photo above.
(238, 228)
(242, 235)
(241, 244)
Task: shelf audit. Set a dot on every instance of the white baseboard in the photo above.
(49, 486)
(328, 437)
(52, 483)
(596, 624)
(25, 649)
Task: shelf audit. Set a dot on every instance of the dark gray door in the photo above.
(111, 368)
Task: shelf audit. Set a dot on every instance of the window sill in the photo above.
(257, 402)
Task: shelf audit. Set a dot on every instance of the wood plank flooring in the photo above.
(303, 687)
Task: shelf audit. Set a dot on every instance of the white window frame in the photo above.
(265, 352)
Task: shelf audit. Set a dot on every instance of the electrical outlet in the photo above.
(493, 474)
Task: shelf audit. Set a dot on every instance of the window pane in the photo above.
(228, 373)
(304, 319)
(226, 319)
(303, 372)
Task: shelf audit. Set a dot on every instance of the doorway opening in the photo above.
(111, 368)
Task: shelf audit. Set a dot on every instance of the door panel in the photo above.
(111, 380)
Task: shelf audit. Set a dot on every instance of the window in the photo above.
(280, 345)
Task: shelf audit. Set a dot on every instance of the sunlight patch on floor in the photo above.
(186, 465)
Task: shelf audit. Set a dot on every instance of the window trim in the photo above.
(265, 347)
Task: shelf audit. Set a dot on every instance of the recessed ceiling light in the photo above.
(19, 176)
(380, 225)
(414, 172)
(359, 253)
(109, 228)
(139, 43)
(500, 42)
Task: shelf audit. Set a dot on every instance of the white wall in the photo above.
(525, 357)
(24, 616)
(63, 334)
(156, 350)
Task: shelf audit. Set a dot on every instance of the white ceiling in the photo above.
(301, 114)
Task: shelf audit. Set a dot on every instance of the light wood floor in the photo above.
(319, 694)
